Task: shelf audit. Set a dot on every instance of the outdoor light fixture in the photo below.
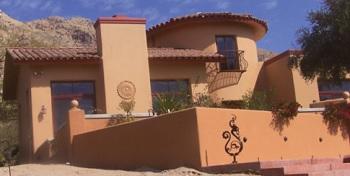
(38, 73)
(43, 110)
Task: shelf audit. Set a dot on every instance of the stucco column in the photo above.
(75, 125)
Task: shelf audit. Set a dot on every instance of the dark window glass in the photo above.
(62, 95)
(227, 46)
(329, 90)
(176, 88)
(170, 86)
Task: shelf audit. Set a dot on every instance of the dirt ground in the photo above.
(66, 170)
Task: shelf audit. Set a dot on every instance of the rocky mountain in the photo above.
(51, 31)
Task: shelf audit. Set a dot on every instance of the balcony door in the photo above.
(227, 46)
(62, 95)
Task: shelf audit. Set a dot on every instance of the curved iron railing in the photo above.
(235, 61)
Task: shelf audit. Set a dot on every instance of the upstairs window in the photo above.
(227, 46)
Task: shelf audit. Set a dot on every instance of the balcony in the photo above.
(235, 61)
(229, 73)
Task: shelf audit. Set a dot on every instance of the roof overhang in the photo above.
(284, 54)
(259, 26)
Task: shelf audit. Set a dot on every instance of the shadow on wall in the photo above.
(218, 80)
(54, 150)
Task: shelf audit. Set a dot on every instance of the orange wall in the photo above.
(193, 138)
(25, 118)
(263, 142)
(202, 37)
(288, 84)
(305, 91)
(41, 95)
(162, 142)
(193, 72)
(280, 80)
(125, 58)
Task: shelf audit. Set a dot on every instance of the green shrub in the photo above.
(257, 100)
(203, 100)
(169, 102)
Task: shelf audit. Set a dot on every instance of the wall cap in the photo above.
(119, 19)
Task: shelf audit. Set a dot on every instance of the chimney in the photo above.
(122, 43)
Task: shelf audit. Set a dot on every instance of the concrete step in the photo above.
(282, 163)
(306, 168)
(338, 172)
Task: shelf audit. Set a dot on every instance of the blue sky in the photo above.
(284, 17)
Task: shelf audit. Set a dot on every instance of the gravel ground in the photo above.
(66, 170)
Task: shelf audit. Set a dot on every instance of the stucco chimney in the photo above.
(122, 43)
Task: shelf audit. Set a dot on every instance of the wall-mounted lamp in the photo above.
(43, 110)
(38, 74)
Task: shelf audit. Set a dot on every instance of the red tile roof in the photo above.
(54, 55)
(209, 16)
(285, 54)
(90, 55)
(172, 54)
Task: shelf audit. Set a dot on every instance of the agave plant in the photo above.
(167, 102)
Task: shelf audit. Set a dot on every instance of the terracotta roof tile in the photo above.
(172, 54)
(207, 16)
(90, 55)
(54, 55)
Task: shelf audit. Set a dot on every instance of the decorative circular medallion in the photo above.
(126, 90)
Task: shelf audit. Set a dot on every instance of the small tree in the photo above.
(326, 42)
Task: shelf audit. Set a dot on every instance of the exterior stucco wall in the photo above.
(202, 37)
(193, 72)
(163, 142)
(288, 85)
(280, 80)
(125, 58)
(305, 91)
(41, 96)
(193, 138)
(25, 118)
(263, 142)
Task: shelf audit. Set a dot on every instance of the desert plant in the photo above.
(203, 100)
(169, 102)
(8, 110)
(283, 113)
(127, 106)
(257, 100)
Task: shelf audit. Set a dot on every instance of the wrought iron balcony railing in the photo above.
(234, 61)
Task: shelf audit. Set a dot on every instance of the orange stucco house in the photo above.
(214, 53)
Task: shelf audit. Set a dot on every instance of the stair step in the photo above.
(282, 163)
(340, 172)
(306, 168)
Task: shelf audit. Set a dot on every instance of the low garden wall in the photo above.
(194, 138)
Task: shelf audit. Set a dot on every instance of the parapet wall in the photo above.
(193, 138)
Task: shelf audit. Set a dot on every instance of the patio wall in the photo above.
(193, 138)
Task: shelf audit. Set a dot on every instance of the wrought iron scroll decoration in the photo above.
(234, 144)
